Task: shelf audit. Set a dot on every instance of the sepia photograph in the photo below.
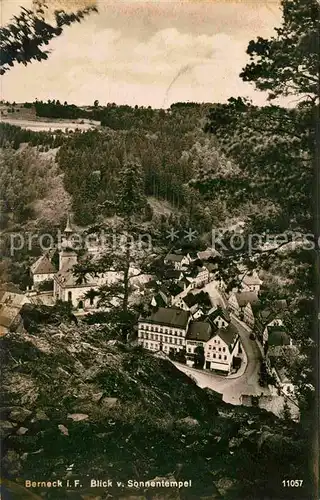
(159, 249)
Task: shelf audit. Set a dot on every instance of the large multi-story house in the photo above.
(165, 329)
(173, 330)
(222, 348)
(199, 332)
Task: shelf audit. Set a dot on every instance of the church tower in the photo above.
(67, 254)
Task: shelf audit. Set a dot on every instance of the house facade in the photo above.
(241, 303)
(278, 359)
(178, 261)
(221, 349)
(251, 282)
(199, 332)
(248, 316)
(66, 286)
(165, 330)
(42, 270)
(219, 317)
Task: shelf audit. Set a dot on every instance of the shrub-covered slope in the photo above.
(71, 396)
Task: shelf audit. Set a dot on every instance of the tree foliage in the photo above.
(22, 40)
(288, 63)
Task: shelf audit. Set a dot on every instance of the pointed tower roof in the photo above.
(68, 228)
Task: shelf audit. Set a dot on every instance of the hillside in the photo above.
(77, 405)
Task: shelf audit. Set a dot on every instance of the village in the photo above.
(207, 332)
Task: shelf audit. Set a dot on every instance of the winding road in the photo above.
(245, 382)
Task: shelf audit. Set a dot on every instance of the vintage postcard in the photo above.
(159, 238)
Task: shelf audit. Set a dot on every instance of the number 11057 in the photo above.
(292, 483)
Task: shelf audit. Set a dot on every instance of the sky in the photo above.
(146, 53)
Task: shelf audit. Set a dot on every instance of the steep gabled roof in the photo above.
(176, 318)
(174, 289)
(277, 336)
(251, 279)
(172, 274)
(42, 266)
(173, 257)
(199, 330)
(190, 300)
(228, 334)
(160, 299)
(219, 311)
(244, 297)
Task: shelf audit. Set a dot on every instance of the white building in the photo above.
(221, 349)
(173, 330)
(178, 261)
(164, 330)
(250, 282)
(219, 317)
(278, 359)
(66, 286)
(199, 275)
(42, 270)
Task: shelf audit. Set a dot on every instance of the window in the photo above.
(214, 348)
(214, 355)
(175, 341)
(160, 330)
(147, 328)
(219, 348)
(166, 330)
(156, 337)
(219, 356)
(225, 357)
(189, 349)
(151, 328)
(146, 345)
(151, 336)
(224, 349)
(209, 347)
(161, 338)
(70, 296)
